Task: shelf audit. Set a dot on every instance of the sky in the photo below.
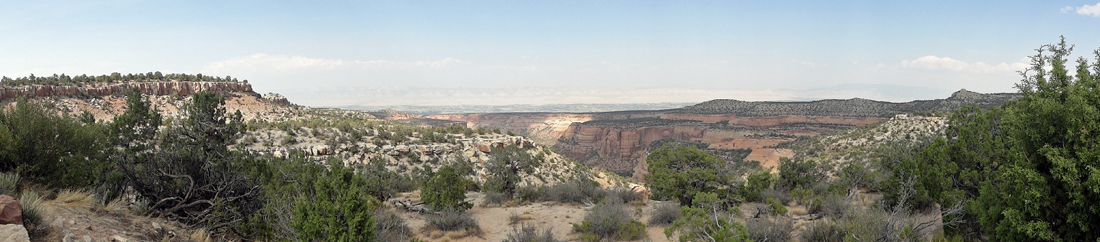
(376, 53)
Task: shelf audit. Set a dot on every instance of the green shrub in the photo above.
(800, 173)
(390, 227)
(609, 220)
(698, 224)
(823, 231)
(835, 206)
(494, 198)
(776, 194)
(624, 194)
(451, 219)
(528, 233)
(574, 191)
(664, 214)
(32, 208)
(755, 185)
(530, 193)
(769, 229)
(9, 182)
(51, 149)
(384, 183)
(678, 172)
(337, 208)
(445, 190)
(506, 168)
(776, 207)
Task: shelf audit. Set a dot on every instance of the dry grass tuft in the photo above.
(516, 218)
(456, 234)
(798, 211)
(115, 205)
(435, 234)
(201, 235)
(75, 199)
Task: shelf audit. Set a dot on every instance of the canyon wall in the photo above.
(544, 128)
(617, 141)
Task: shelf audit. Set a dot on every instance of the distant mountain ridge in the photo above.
(855, 107)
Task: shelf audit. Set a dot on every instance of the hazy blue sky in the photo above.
(322, 53)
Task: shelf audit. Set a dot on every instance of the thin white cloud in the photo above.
(1087, 10)
(263, 61)
(932, 62)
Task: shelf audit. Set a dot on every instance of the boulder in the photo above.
(10, 211)
(14, 233)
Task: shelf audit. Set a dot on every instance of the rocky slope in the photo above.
(358, 137)
(617, 141)
(280, 128)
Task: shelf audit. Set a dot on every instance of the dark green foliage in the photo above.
(664, 214)
(930, 169)
(445, 189)
(194, 177)
(337, 208)
(50, 149)
(679, 172)
(795, 173)
(383, 183)
(1048, 187)
(506, 169)
(9, 182)
(755, 185)
(776, 207)
(135, 130)
(63, 79)
(609, 220)
(1025, 171)
(284, 180)
(529, 233)
(451, 219)
(133, 136)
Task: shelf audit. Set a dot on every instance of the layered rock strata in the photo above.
(147, 88)
(617, 141)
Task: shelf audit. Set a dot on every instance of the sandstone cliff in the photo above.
(617, 141)
(104, 101)
(147, 88)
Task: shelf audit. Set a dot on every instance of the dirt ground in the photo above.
(495, 222)
(86, 225)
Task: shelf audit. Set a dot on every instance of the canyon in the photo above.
(619, 141)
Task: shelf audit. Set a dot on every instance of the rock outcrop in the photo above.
(104, 101)
(10, 211)
(181, 88)
(277, 99)
(13, 233)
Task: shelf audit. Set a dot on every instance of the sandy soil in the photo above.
(495, 222)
